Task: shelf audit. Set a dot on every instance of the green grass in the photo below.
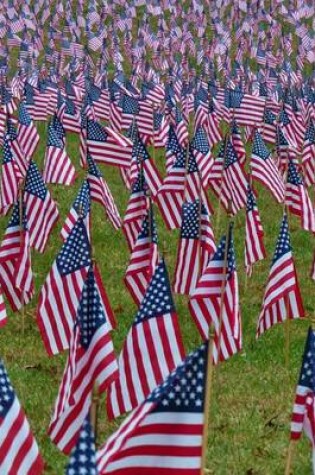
(252, 393)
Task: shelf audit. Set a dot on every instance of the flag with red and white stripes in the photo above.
(265, 170)
(107, 146)
(28, 136)
(196, 247)
(58, 168)
(19, 451)
(202, 152)
(16, 277)
(216, 301)
(153, 347)
(80, 208)
(136, 210)
(41, 210)
(100, 192)
(143, 259)
(282, 299)
(254, 233)
(297, 198)
(91, 361)
(60, 295)
(9, 182)
(165, 433)
(308, 155)
(303, 415)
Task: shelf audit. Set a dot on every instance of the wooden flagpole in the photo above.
(210, 362)
(21, 219)
(287, 303)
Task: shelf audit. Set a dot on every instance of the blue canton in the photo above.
(7, 153)
(90, 315)
(184, 389)
(83, 457)
(293, 175)
(82, 202)
(251, 200)
(172, 143)
(307, 375)
(283, 243)
(95, 131)
(93, 168)
(7, 394)
(158, 298)
(310, 134)
(52, 139)
(200, 141)
(281, 140)
(75, 252)
(34, 182)
(259, 147)
(269, 117)
(190, 221)
(129, 105)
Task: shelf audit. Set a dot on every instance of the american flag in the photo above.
(269, 129)
(196, 237)
(171, 194)
(83, 456)
(216, 301)
(17, 152)
(9, 183)
(165, 433)
(18, 447)
(212, 126)
(41, 210)
(153, 347)
(80, 208)
(104, 148)
(237, 142)
(202, 152)
(15, 267)
(58, 168)
(100, 192)
(142, 160)
(246, 109)
(282, 299)
(173, 148)
(303, 415)
(91, 361)
(60, 295)
(181, 128)
(136, 210)
(143, 259)
(71, 117)
(254, 233)
(308, 155)
(264, 168)
(160, 129)
(297, 199)
(232, 185)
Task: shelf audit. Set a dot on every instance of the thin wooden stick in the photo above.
(210, 367)
(94, 409)
(289, 458)
(21, 215)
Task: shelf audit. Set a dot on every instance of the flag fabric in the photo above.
(9, 183)
(282, 299)
(100, 192)
(202, 152)
(254, 233)
(143, 259)
(80, 208)
(83, 456)
(165, 433)
(60, 295)
(264, 168)
(91, 361)
(104, 148)
(308, 155)
(15, 263)
(136, 210)
(41, 210)
(191, 258)
(58, 168)
(216, 288)
(297, 199)
(17, 152)
(303, 409)
(303, 415)
(28, 136)
(18, 447)
(152, 349)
